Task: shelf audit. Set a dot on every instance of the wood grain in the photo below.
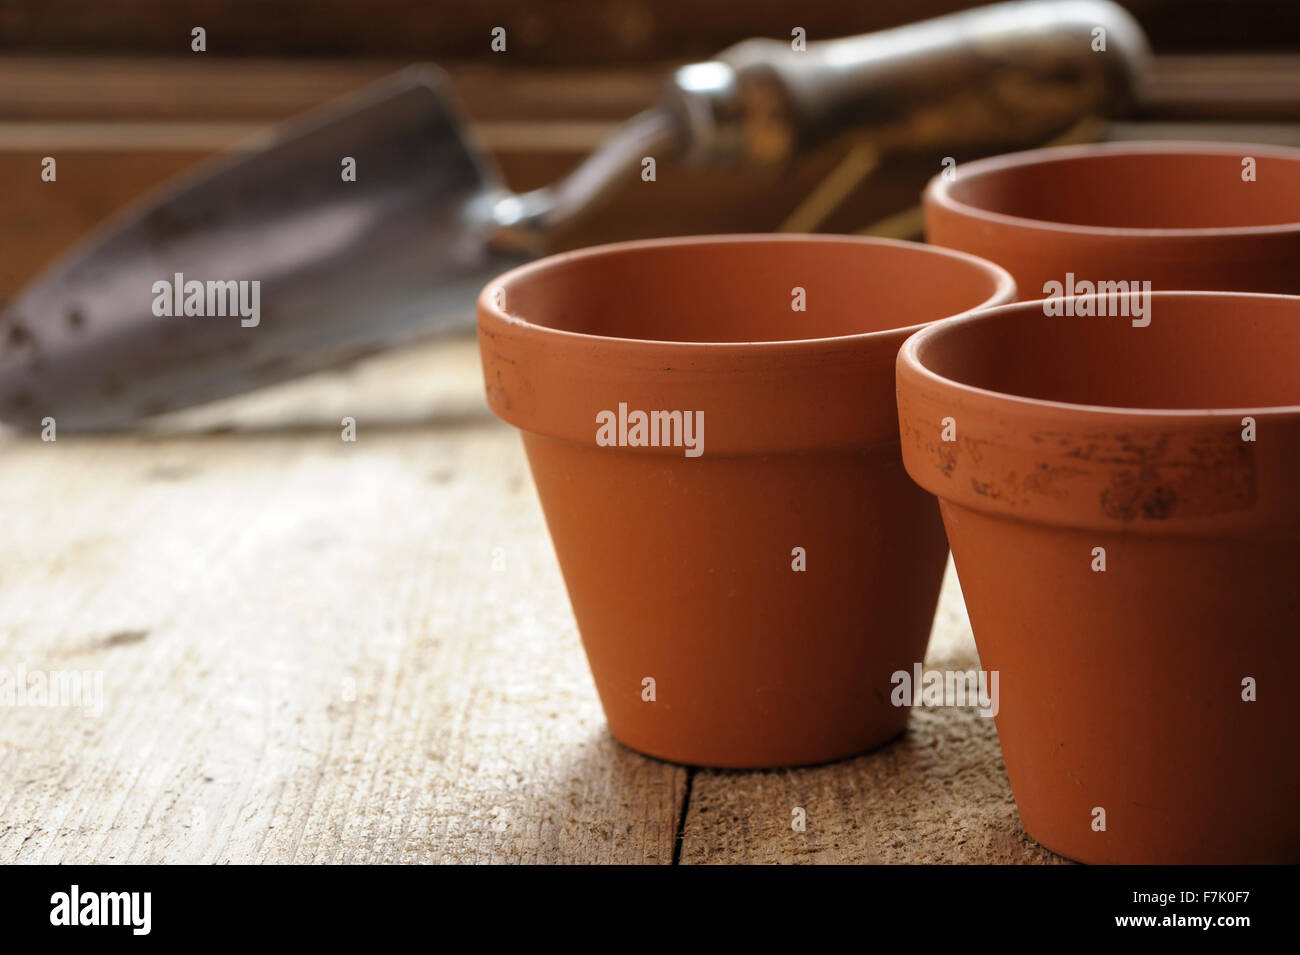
(333, 652)
(318, 651)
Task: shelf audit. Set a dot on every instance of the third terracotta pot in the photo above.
(710, 424)
(1180, 215)
(1123, 510)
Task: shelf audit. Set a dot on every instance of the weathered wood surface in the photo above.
(319, 651)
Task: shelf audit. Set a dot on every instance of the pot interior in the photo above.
(743, 290)
(1156, 190)
(1200, 351)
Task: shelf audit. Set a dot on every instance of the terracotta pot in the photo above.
(681, 566)
(1130, 562)
(1178, 215)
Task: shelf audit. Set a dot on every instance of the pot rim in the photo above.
(1004, 290)
(910, 357)
(938, 192)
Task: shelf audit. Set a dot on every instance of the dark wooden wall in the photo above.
(556, 32)
(111, 88)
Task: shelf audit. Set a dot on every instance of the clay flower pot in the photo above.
(1123, 512)
(710, 424)
(1177, 215)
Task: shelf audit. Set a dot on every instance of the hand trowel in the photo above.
(159, 310)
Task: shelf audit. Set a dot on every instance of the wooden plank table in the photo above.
(320, 651)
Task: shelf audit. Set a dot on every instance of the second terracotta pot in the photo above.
(711, 426)
(1180, 215)
(1123, 512)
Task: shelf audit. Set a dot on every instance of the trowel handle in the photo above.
(1009, 73)
(1001, 76)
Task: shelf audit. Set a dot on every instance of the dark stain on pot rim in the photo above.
(947, 455)
(1016, 489)
(1156, 477)
(1172, 475)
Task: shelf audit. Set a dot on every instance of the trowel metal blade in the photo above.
(344, 268)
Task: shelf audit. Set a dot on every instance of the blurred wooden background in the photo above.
(114, 92)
